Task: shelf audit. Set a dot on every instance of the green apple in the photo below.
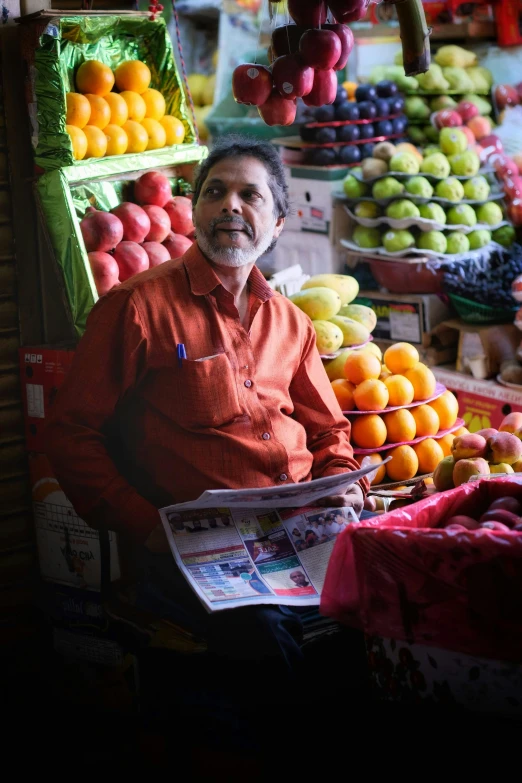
(432, 240)
(463, 215)
(395, 241)
(419, 186)
(405, 162)
(478, 239)
(451, 189)
(465, 164)
(477, 188)
(434, 212)
(457, 243)
(402, 209)
(452, 141)
(437, 165)
(490, 213)
(431, 149)
(367, 209)
(505, 236)
(353, 188)
(387, 188)
(366, 237)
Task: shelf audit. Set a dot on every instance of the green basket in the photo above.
(475, 313)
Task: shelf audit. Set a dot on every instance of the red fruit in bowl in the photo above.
(324, 89)
(159, 223)
(131, 259)
(156, 252)
(100, 230)
(104, 270)
(292, 78)
(467, 110)
(454, 528)
(320, 49)
(496, 526)
(177, 245)
(179, 210)
(278, 110)
(136, 222)
(309, 13)
(508, 504)
(345, 11)
(346, 38)
(500, 515)
(152, 188)
(447, 118)
(505, 95)
(251, 84)
(468, 523)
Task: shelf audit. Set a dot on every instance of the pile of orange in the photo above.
(364, 380)
(103, 122)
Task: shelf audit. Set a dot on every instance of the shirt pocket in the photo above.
(206, 392)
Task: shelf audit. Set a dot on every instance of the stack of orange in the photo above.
(103, 122)
(362, 381)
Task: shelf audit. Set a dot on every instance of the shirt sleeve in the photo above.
(108, 363)
(317, 409)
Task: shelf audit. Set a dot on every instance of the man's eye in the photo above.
(250, 195)
(211, 191)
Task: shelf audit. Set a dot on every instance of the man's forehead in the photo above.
(245, 171)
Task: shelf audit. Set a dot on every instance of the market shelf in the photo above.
(388, 446)
(439, 390)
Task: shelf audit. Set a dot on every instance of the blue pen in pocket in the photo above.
(182, 354)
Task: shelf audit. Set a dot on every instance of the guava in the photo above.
(402, 209)
(450, 189)
(353, 188)
(465, 164)
(437, 165)
(463, 215)
(505, 235)
(419, 186)
(477, 189)
(416, 108)
(366, 237)
(404, 162)
(433, 211)
(452, 141)
(490, 213)
(478, 239)
(387, 188)
(457, 243)
(432, 240)
(395, 241)
(367, 209)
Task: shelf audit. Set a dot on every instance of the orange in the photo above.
(137, 136)
(360, 366)
(400, 357)
(350, 88)
(135, 105)
(445, 443)
(132, 75)
(385, 373)
(369, 431)
(78, 141)
(96, 142)
(423, 381)
(429, 454)
(78, 109)
(174, 129)
(400, 390)
(156, 134)
(117, 140)
(371, 395)
(118, 107)
(460, 431)
(343, 390)
(94, 77)
(155, 103)
(426, 419)
(403, 465)
(447, 408)
(400, 425)
(100, 111)
(380, 473)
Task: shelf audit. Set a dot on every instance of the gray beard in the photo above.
(233, 256)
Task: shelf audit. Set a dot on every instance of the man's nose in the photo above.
(231, 203)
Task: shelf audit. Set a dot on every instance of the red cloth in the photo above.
(132, 431)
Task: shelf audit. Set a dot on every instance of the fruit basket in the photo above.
(407, 276)
(474, 313)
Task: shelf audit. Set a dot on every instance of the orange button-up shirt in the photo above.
(134, 429)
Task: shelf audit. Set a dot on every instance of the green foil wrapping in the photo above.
(64, 46)
(64, 195)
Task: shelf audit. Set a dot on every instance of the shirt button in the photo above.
(248, 384)
(283, 477)
(266, 436)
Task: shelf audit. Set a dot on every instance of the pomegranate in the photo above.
(131, 259)
(177, 244)
(156, 252)
(100, 230)
(104, 270)
(159, 223)
(152, 188)
(179, 210)
(136, 223)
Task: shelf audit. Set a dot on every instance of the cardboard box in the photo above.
(404, 317)
(310, 189)
(483, 349)
(68, 549)
(42, 372)
(481, 403)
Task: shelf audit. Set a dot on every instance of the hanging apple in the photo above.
(324, 90)
(309, 13)
(345, 11)
(346, 38)
(292, 78)
(285, 39)
(278, 110)
(251, 84)
(320, 49)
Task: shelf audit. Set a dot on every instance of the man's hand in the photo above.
(352, 497)
(157, 542)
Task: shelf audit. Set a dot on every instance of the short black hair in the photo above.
(236, 146)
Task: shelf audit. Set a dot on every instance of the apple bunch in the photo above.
(504, 515)
(133, 237)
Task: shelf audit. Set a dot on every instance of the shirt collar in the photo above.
(203, 280)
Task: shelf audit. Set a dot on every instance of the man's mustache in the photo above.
(231, 219)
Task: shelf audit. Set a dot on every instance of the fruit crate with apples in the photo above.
(64, 196)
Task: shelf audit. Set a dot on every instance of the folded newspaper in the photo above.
(259, 546)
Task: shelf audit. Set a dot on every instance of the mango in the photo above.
(361, 314)
(329, 336)
(354, 333)
(335, 367)
(318, 303)
(347, 287)
(372, 348)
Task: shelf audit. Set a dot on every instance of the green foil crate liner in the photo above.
(67, 42)
(64, 195)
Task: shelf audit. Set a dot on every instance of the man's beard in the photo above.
(233, 256)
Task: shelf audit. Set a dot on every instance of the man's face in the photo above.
(298, 578)
(234, 216)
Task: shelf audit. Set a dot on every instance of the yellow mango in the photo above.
(364, 315)
(335, 367)
(329, 336)
(347, 287)
(354, 333)
(318, 303)
(372, 348)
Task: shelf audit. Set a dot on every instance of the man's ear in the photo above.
(279, 226)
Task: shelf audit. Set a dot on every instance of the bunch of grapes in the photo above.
(488, 284)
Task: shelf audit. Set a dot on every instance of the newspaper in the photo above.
(259, 546)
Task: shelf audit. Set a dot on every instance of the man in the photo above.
(299, 579)
(135, 428)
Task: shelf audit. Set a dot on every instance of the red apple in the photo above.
(136, 222)
(177, 244)
(320, 49)
(504, 166)
(345, 11)
(500, 515)
(468, 134)
(467, 110)
(159, 223)
(278, 110)
(491, 144)
(447, 118)
(518, 160)
(251, 84)
(324, 89)
(104, 270)
(285, 39)
(131, 259)
(515, 211)
(292, 78)
(498, 527)
(309, 13)
(156, 252)
(505, 95)
(152, 188)
(464, 521)
(513, 186)
(346, 38)
(179, 210)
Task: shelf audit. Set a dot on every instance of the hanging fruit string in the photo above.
(415, 35)
(184, 69)
(155, 8)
